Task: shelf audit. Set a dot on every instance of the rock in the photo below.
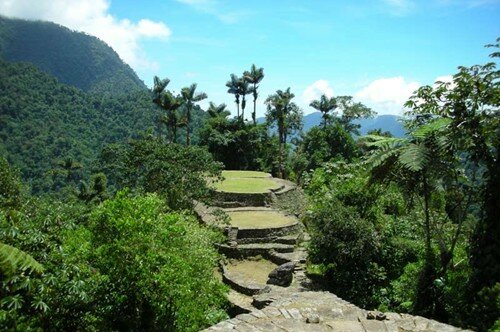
(312, 319)
(282, 275)
(375, 315)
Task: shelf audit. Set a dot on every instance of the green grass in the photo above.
(253, 270)
(259, 219)
(244, 174)
(246, 185)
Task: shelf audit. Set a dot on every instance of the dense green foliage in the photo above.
(44, 122)
(120, 265)
(74, 58)
(179, 173)
(413, 227)
(406, 224)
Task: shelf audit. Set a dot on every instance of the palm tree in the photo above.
(254, 76)
(171, 104)
(158, 89)
(233, 88)
(324, 105)
(190, 97)
(244, 89)
(279, 106)
(217, 111)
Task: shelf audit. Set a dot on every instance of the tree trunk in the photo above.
(188, 129)
(243, 105)
(254, 114)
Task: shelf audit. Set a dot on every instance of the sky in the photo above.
(378, 51)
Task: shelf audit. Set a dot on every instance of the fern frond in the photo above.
(13, 260)
(415, 157)
(432, 126)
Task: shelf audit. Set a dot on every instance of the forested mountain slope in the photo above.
(43, 121)
(74, 58)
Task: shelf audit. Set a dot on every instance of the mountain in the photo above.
(43, 121)
(74, 58)
(385, 122)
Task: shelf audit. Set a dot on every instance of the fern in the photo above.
(436, 125)
(415, 157)
(13, 260)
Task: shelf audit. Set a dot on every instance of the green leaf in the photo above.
(13, 260)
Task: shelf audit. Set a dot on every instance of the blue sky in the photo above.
(376, 50)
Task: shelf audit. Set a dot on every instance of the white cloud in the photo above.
(92, 17)
(387, 95)
(315, 90)
(400, 7)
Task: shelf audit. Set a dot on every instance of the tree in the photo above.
(471, 104)
(352, 111)
(158, 91)
(421, 164)
(159, 87)
(324, 105)
(190, 97)
(287, 115)
(179, 173)
(320, 145)
(254, 77)
(217, 111)
(172, 120)
(233, 88)
(244, 90)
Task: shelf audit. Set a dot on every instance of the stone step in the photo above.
(240, 303)
(287, 239)
(255, 249)
(264, 247)
(239, 283)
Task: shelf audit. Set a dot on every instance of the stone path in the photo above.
(261, 307)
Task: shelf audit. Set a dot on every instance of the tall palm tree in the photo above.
(158, 89)
(244, 89)
(324, 105)
(254, 77)
(190, 97)
(217, 111)
(278, 107)
(233, 88)
(171, 104)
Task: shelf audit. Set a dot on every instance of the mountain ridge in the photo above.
(73, 57)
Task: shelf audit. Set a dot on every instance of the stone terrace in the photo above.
(262, 237)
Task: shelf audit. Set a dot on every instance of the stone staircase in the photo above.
(260, 306)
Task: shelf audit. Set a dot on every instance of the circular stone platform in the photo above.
(249, 182)
(251, 270)
(258, 219)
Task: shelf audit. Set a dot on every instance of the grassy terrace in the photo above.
(256, 271)
(259, 219)
(246, 182)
